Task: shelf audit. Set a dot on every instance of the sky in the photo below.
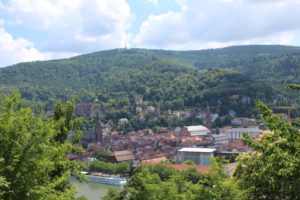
(33, 30)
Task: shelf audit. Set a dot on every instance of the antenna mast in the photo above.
(125, 47)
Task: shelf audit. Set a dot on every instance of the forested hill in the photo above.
(171, 79)
(90, 69)
(230, 56)
(275, 64)
(263, 62)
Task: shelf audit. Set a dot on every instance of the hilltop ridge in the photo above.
(171, 79)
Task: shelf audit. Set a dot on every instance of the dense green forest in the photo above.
(274, 64)
(168, 79)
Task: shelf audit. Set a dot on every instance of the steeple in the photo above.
(125, 47)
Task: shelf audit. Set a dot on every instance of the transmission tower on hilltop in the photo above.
(125, 46)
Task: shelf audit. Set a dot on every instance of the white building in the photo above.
(220, 139)
(236, 133)
(197, 130)
(123, 121)
(200, 156)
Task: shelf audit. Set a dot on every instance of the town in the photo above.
(196, 142)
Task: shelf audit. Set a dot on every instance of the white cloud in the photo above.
(279, 38)
(217, 22)
(17, 50)
(76, 26)
(39, 14)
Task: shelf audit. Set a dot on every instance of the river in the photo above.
(92, 191)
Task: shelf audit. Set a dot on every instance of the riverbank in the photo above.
(92, 191)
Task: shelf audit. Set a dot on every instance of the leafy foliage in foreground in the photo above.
(271, 169)
(33, 152)
(160, 182)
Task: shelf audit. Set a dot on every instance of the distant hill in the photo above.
(276, 65)
(170, 79)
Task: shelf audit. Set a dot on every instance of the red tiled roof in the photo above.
(95, 147)
(71, 156)
(191, 138)
(119, 153)
(88, 154)
(115, 132)
(123, 155)
(154, 160)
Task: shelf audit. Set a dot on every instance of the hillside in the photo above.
(275, 64)
(170, 79)
(91, 76)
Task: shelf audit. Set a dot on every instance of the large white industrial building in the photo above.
(197, 130)
(200, 156)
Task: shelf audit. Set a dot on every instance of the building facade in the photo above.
(196, 130)
(237, 133)
(200, 156)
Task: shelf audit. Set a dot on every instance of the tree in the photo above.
(110, 168)
(149, 183)
(33, 152)
(123, 168)
(102, 155)
(189, 162)
(219, 185)
(3, 185)
(191, 174)
(270, 170)
(113, 194)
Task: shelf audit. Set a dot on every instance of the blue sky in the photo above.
(49, 29)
